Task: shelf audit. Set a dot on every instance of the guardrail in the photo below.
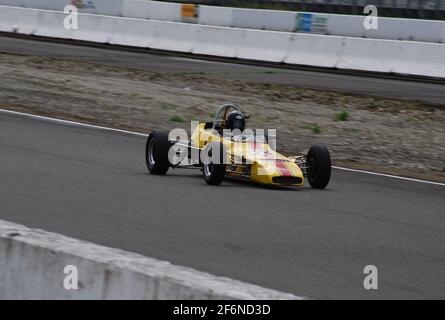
(389, 56)
(302, 22)
(33, 265)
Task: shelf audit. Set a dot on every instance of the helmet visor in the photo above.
(238, 122)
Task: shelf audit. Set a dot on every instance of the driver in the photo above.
(235, 120)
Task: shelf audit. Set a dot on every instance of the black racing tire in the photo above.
(156, 152)
(318, 166)
(214, 173)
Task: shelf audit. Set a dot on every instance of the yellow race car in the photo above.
(226, 148)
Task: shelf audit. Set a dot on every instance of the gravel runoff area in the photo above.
(392, 136)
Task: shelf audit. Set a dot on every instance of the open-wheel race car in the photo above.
(225, 148)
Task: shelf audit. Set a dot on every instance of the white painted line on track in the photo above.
(73, 123)
(389, 176)
(79, 124)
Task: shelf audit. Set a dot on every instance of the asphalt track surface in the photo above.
(411, 90)
(92, 184)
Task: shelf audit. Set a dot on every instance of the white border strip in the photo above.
(72, 123)
(390, 176)
(79, 124)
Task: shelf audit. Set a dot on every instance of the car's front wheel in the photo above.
(214, 167)
(318, 166)
(156, 152)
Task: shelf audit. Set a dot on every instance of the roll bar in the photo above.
(223, 109)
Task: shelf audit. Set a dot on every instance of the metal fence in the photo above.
(420, 9)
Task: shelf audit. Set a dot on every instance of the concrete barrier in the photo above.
(37, 4)
(102, 7)
(50, 22)
(274, 20)
(315, 50)
(388, 28)
(416, 58)
(264, 45)
(417, 30)
(134, 32)
(390, 56)
(136, 9)
(219, 41)
(43, 4)
(181, 37)
(20, 20)
(153, 10)
(216, 16)
(95, 28)
(32, 264)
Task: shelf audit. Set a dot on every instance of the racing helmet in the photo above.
(235, 120)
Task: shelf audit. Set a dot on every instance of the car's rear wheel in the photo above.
(214, 168)
(156, 152)
(318, 166)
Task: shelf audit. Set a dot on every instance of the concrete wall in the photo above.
(390, 56)
(388, 28)
(32, 264)
(274, 20)
(164, 11)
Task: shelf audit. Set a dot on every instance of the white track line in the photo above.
(73, 123)
(389, 176)
(79, 124)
